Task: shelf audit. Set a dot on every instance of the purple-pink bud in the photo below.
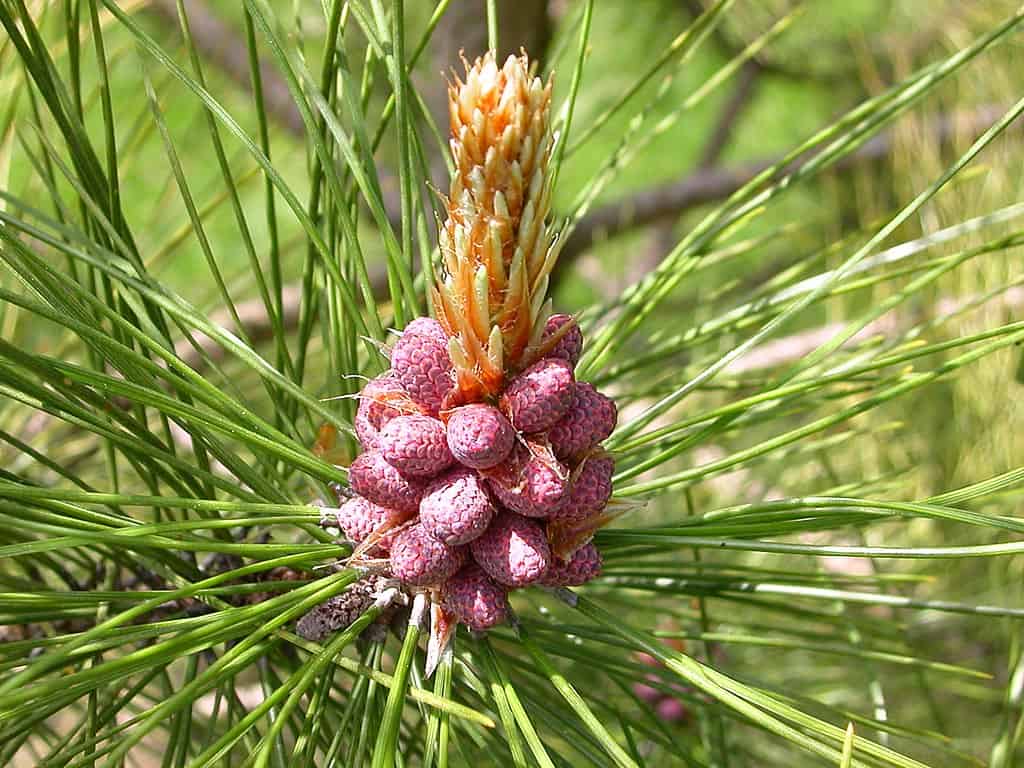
(513, 550)
(590, 490)
(420, 560)
(415, 445)
(372, 477)
(359, 517)
(591, 419)
(579, 569)
(568, 347)
(420, 362)
(646, 692)
(456, 508)
(539, 396)
(532, 485)
(479, 436)
(671, 710)
(475, 599)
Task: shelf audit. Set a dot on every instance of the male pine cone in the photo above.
(482, 469)
(497, 248)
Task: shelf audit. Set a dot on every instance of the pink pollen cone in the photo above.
(456, 508)
(646, 692)
(568, 347)
(475, 598)
(380, 401)
(580, 568)
(671, 710)
(479, 436)
(539, 396)
(590, 490)
(532, 485)
(513, 550)
(373, 478)
(359, 517)
(419, 560)
(591, 419)
(420, 362)
(415, 445)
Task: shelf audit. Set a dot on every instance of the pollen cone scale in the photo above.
(497, 248)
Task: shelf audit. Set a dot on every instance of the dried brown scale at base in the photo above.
(340, 611)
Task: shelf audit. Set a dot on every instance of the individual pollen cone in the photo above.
(496, 245)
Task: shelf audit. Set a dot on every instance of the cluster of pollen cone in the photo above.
(481, 468)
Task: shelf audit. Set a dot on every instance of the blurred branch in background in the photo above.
(789, 349)
(741, 98)
(225, 48)
(719, 139)
(707, 185)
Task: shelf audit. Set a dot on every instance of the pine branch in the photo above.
(641, 209)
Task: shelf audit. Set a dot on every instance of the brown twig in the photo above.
(717, 142)
(221, 44)
(711, 184)
(725, 127)
(789, 349)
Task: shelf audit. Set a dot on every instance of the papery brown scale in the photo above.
(566, 537)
